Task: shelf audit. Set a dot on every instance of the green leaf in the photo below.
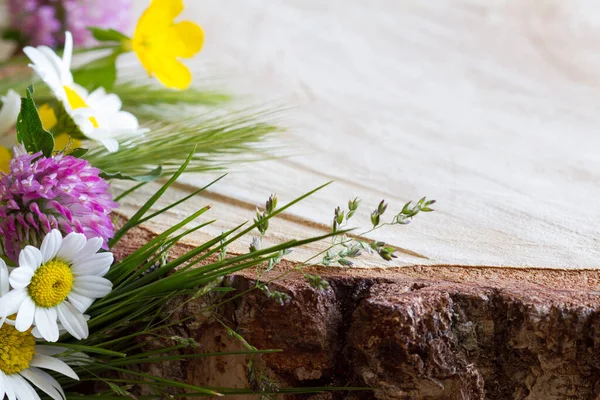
(101, 72)
(78, 152)
(144, 209)
(12, 34)
(149, 177)
(30, 131)
(107, 35)
(88, 349)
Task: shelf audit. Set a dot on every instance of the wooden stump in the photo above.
(418, 332)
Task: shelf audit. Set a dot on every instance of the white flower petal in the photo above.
(2, 385)
(55, 61)
(90, 248)
(45, 320)
(81, 116)
(53, 364)
(72, 320)
(8, 387)
(67, 55)
(92, 286)
(93, 265)
(45, 382)
(4, 288)
(30, 257)
(50, 245)
(127, 121)
(25, 315)
(10, 302)
(71, 244)
(11, 105)
(109, 103)
(49, 350)
(43, 67)
(20, 278)
(111, 122)
(83, 93)
(23, 390)
(80, 302)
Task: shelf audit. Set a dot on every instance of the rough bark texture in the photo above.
(412, 333)
(414, 338)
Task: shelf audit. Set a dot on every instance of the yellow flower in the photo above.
(49, 121)
(47, 116)
(158, 42)
(5, 157)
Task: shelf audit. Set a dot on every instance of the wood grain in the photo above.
(492, 108)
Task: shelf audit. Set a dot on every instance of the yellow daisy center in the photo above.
(51, 283)
(16, 349)
(76, 102)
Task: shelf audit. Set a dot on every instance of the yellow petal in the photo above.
(62, 141)
(157, 17)
(169, 8)
(47, 116)
(149, 60)
(184, 39)
(5, 157)
(173, 74)
(158, 42)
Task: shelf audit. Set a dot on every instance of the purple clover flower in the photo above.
(40, 24)
(61, 192)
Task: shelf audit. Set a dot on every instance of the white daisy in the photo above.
(11, 105)
(98, 114)
(21, 360)
(57, 283)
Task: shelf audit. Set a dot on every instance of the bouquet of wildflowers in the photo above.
(73, 320)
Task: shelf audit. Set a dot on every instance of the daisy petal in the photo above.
(73, 321)
(45, 320)
(20, 278)
(43, 67)
(49, 350)
(45, 382)
(2, 385)
(25, 315)
(53, 364)
(111, 145)
(92, 286)
(23, 389)
(80, 302)
(8, 388)
(50, 245)
(93, 265)
(4, 288)
(71, 244)
(67, 55)
(11, 105)
(109, 103)
(30, 257)
(90, 248)
(53, 59)
(10, 302)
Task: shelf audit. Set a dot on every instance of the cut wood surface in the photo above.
(492, 108)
